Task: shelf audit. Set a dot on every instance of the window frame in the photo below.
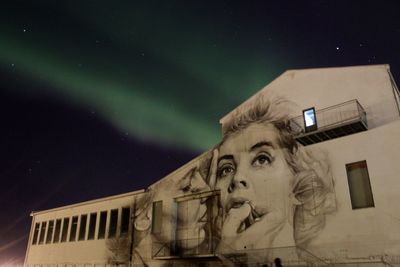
(82, 227)
(92, 226)
(113, 226)
(74, 229)
(367, 182)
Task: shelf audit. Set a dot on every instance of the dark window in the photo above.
(35, 233)
(74, 226)
(112, 231)
(359, 185)
(50, 232)
(157, 217)
(102, 225)
(92, 225)
(57, 231)
(42, 232)
(65, 230)
(82, 227)
(125, 218)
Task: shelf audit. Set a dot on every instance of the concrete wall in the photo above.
(77, 252)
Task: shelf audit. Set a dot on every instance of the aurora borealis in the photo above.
(101, 97)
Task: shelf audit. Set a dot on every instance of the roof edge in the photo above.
(34, 213)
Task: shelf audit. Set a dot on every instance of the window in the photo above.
(57, 231)
(157, 217)
(126, 212)
(35, 233)
(65, 230)
(74, 226)
(113, 223)
(42, 232)
(310, 120)
(82, 227)
(359, 185)
(92, 225)
(50, 232)
(102, 225)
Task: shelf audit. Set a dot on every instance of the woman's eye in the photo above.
(225, 171)
(261, 160)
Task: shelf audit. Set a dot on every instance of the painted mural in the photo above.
(256, 190)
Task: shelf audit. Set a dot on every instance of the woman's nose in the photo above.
(237, 184)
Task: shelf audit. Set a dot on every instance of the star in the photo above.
(337, 47)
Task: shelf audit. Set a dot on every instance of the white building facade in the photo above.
(307, 170)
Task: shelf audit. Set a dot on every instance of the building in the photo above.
(307, 171)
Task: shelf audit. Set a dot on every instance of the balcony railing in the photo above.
(333, 122)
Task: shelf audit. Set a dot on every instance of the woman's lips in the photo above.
(236, 202)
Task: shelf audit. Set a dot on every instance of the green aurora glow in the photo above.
(165, 79)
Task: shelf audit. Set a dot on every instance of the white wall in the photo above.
(363, 233)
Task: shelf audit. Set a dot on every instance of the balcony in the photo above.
(333, 122)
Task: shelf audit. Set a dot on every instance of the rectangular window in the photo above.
(92, 225)
(310, 120)
(102, 225)
(65, 230)
(36, 233)
(112, 231)
(50, 232)
(42, 232)
(125, 219)
(57, 231)
(82, 227)
(157, 217)
(359, 185)
(74, 226)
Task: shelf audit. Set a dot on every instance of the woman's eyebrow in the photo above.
(262, 143)
(225, 157)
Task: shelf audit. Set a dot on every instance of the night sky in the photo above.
(105, 97)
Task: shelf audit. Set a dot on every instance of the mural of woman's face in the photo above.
(253, 177)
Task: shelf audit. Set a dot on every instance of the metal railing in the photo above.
(333, 116)
(194, 247)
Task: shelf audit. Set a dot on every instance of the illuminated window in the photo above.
(42, 232)
(50, 232)
(74, 226)
(82, 227)
(157, 217)
(310, 120)
(65, 230)
(92, 225)
(102, 225)
(125, 219)
(112, 231)
(36, 233)
(57, 231)
(359, 185)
